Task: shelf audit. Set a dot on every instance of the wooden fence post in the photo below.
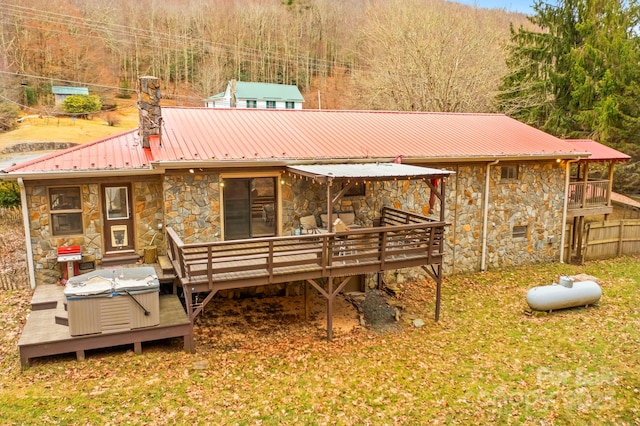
(620, 238)
(586, 244)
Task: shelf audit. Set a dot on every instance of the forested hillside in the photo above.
(569, 70)
(354, 54)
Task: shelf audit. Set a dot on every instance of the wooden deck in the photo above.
(46, 334)
(403, 240)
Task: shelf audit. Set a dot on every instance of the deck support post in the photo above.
(330, 297)
(306, 301)
(436, 274)
(438, 291)
(330, 294)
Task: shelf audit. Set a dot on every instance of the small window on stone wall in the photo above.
(358, 189)
(509, 172)
(65, 206)
(519, 232)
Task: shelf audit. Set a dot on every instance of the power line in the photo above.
(103, 86)
(132, 35)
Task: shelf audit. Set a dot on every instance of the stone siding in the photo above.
(45, 245)
(534, 200)
(147, 208)
(192, 206)
(149, 219)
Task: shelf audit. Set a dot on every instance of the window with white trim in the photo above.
(271, 104)
(252, 103)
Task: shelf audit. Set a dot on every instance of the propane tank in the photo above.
(565, 294)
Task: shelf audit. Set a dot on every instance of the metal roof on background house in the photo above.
(270, 91)
(209, 137)
(69, 90)
(599, 152)
(215, 97)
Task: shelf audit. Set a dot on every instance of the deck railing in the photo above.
(593, 193)
(260, 261)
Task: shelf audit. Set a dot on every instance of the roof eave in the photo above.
(75, 174)
(280, 162)
(509, 158)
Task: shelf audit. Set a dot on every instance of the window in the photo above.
(65, 206)
(509, 172)
(271, 104)
(117, 202)
(290, 105)
(356, 190)
(519, 232)
(252, 103)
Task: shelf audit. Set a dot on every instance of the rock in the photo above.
(395, 303)
(418, 322)
(585, 277)
(200, 365)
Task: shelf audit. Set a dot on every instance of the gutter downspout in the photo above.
(485, 219)
(567, 176)
(27, 233)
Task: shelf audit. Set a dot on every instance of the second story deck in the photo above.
(592, 197)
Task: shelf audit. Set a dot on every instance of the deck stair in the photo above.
(62, 316)
(118, 260)
(165, 265)
(47, 296)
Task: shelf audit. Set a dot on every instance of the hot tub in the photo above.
(113, 300)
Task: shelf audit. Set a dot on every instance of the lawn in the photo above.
(36, 128)
(486, 362)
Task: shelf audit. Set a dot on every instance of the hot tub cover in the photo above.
(112, 282)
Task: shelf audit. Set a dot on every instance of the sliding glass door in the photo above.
(249, 207)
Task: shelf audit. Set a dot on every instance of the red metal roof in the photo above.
(240, 134)
(114, 153)
(623, 199)
(208, 135)
(599, 152)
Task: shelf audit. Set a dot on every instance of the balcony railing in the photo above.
(590, 194)
(403, 240)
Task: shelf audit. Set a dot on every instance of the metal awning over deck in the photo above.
(324, 173)
(351, 174)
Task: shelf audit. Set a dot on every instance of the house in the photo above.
(207, 174)
(242, 94)
(61, 93)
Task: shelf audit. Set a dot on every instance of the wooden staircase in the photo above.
(117, 260)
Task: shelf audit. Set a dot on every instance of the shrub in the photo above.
(82, 104)
(112, 119)
(9, 194)
(8, 115)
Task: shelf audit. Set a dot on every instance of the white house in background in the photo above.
(61, 93)
(245, 94)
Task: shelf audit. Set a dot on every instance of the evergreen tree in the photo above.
(578, 75)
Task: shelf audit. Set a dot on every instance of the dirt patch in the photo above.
(239, 323)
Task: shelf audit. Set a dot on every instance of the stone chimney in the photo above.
(150, 116)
